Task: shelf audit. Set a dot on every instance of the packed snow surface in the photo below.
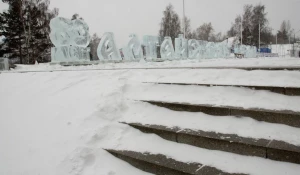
(59, 122)
(203, 63)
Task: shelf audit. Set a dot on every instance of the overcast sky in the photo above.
(142, 17)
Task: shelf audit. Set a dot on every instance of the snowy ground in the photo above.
(58, 122)
(251, 62)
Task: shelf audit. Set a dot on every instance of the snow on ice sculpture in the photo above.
(151, 43)
(107, 49)
(167, 49)
(193, 47)
(133, 50)
(70, 37)
(181, 47)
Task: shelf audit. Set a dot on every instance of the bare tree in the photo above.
(170, 23)
(188, 30)
(204, 32)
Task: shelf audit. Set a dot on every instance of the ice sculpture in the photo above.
(247, 51)
(107, 49)
(69, 54)
(151, 43)
(133, 50)
(181, 47)
(70, 37)
(167, 49)
(4, 64)
(194, 49)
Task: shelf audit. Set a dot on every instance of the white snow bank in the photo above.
(145, 113)
(227, 77)
(56, 123)
(250, 62)
(216, 96)
(45, 117)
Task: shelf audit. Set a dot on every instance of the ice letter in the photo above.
(193, 46)
(133, 50)
(181, 47)
(107, 49)
(151, 43)
(167, 49)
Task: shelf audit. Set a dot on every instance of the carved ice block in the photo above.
(4, 64)
(69, 54)
(167, 49)
(133, 50)
(181, 47)
(65, 32)
(194, 51)
(107, 48)
(151, 43)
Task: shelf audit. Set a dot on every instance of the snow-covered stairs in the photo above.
(255, 123)
(265, 148)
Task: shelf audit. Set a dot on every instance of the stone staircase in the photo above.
(266, 148)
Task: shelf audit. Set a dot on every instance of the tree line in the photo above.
(25, 26)
(253, 19)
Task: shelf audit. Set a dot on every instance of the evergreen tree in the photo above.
(26, 29)
(11, 27)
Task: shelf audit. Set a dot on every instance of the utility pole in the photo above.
(259, 37)
(276, 42)
(183, 20)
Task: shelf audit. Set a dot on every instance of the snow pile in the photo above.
(57, 123)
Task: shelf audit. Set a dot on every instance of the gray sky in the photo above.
(142, 17)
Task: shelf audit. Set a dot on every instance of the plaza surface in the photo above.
(58, 120)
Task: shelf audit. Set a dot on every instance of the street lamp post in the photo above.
(183, 20)
(259, 37)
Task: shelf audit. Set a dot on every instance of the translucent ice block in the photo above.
(107, 49)
(151, 43)
(65, 32)
(133, 50)
(69, 54)
(194, 49)
(181, 47)
(167, 49)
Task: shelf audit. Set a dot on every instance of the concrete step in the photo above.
(285, 117)
(162, 165)
(265, 148)
(291, 91)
